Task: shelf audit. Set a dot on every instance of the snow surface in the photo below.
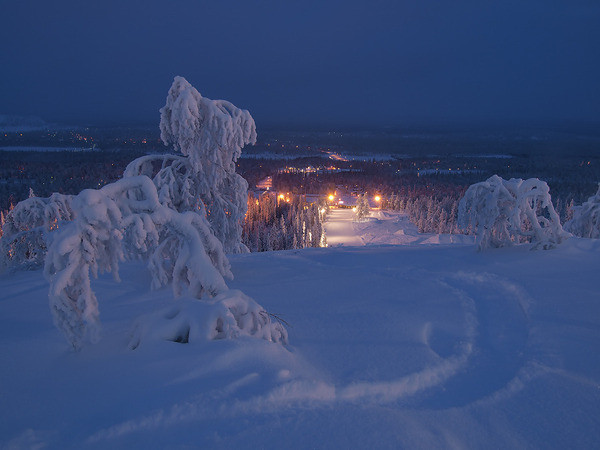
(391, 346)
(381, 228)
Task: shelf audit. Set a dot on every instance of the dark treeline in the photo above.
(146, 139)
(63, 172)
(274, 223)
(428, 188)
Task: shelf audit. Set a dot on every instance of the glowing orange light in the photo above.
(331, 198)
(377, 198)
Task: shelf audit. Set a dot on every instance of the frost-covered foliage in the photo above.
(26, 230)
(362, 207)
(227, 316)
(504, 212)
(210, 134)
(586, 218)
(431, 213)
(124, 220)
(173, 178)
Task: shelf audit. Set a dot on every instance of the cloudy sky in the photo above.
(311, 62)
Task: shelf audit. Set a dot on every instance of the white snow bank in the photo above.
(391, 347)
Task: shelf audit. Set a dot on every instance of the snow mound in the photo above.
(230, 315)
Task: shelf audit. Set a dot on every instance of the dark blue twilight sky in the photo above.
(308, 62)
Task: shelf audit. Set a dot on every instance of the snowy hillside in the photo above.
(391, 346)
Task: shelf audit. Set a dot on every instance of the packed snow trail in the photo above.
(339, 228)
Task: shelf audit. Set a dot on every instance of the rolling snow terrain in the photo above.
(393, 343)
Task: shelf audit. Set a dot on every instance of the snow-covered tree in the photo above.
(27, 227)
(505, 212)
(362, 207)
(122, 220)
(586, 218)
(210, 134)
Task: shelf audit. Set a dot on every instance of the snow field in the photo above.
(389, 347)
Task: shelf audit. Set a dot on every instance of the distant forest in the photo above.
(427, 187)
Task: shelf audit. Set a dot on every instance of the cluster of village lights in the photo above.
(331, 198)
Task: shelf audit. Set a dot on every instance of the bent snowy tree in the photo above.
(502, 213)
(210, 135)
(586, 218)
(126, 220)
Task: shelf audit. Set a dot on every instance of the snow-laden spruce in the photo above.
(362, 207)
(504, 212)
(210, 134)
(27, 228)
(124, 220)
(586, 218)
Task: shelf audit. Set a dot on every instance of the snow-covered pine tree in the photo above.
(505, 212)
(586, 218)
(27, 227)
(210, 134)
(126, 219)
(362, 207)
